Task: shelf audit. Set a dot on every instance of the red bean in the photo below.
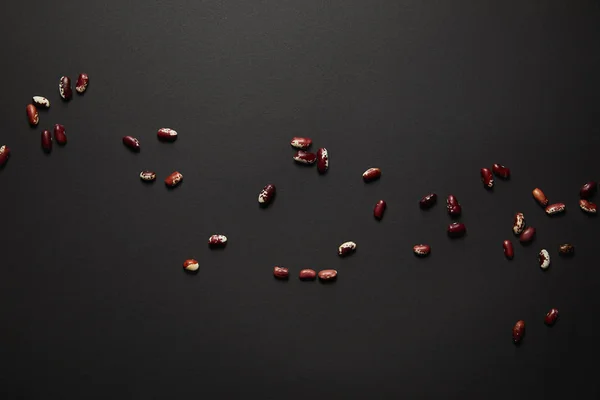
(457, 229)
(328, 275)
(4, 155)
(540, 197)
(307, 275)
(64, 88)
(421, 249)
(588, 207)
(371, 174)
(322, 160)
(487, 178)
(527, 235)
(82, 83)
(501, 171)
(40, 101)
(147, 176)
(281, 272)
(566, 249)
(167, 134)
(346, 248)
(551, 317)
(453, 206)
(555, 208)
(174, 179)
(519, 223)
(59, 134)
(266, 195)
(518, 331)
(379, 210)
(509, 252)
(428, 201)
(217, 241)
(191, 265)
(46, 141)
(588, 190)
(301, 142)
(304, 157)
(32, 115)
(132, 143)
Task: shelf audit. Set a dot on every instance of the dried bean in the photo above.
(281, 272)
(191, 265)
(566, 249)
(527, 235)
(540, 197)
(4, 155)
(457, 229)
(301, 142)
(322, 160)
(453, 206)
(82, 83)
(509, 251)
(371, 174)
(59, 134)
(217, 241)
(167, 134)
(328, 275)
(556, 208)
(519, 223)
(588, 207)
(501, 171)
(588, 190)
(544, 259)
(174, 179)
(46, 141)
(64, 88)
(304, 157)
(32, 115)
(379, 209)
(428, 201)
(41, 101)
(307, 275)
(147, 176)
(132, 143)
(551, 317)
(346, 248)
(518, 331)
(421, 249)
(487, 178)
(266, 194)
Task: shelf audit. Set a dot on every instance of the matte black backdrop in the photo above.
(93, 299)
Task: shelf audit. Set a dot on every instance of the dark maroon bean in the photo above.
(307, 275)
(518, 331)
(32, 115)
(527, 235)
(422, 249)
(379, 209)
(305, 157)
(322, 160)
(281, 272)
(587, 206)
(266, 195)
(64, 88)
(487, 178)
(566, 249)
(428, 201)
(328, 275)
(301, 143)
(167, 134)
(46, 141)
(82, 83)
(457, 229)
(501, 171)
(453, 206)
(4, 154)
(551, 317)
(555, 208)
(509, 251)
(588, 190)
(132, 143)
(371, 174)
(59, 134)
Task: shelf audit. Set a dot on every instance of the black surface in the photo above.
(93, 300)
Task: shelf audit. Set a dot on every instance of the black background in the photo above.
(94, 302)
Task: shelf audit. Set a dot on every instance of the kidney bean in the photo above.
(371, 174)
(217, 241)
(147, 176)
(167, 134)
(191, 265)
(540, 197)
(41, 101)
(281, 272)
(82, 83)
(544, 259)
(174, 179)
(519, 223)
(421, 249)
(588, 207)
(551, 317)
(509, 251)
(518, 331)
(322, 160)
(487, 178)
(304, 157)
(266, 195)
(301, 142)
(555, 208)
(501, 171)
(132, 143)
(346, 248)
(59, 134)
(4, 155)
(328, 275)
(307, 275)
(457, 229)
(32, 115)
(453, 206)
(527, 235)
(64, 88)
(428, 201)
(566, 249)
(379, 209)
(588, 190)
(46, 141)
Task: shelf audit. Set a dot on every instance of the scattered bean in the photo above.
(540, 197)
(307, 275)
(132, 143)
(4, 154)
(371, 174)
(453, 206)
(32, 115)
(304, 157)
(457, 229)
(519, 223)
(527, 235)
(588, 207)
(281, 272)
(544, 259)
(487, 178)
(501, 171)
(167, 134)
(555, 208)
(301, 142)
(428, 201)
(82, 83)
(147, 176)
(46, 141)
(588, 190)
(551, 317)
(421, 249)
(328, 275)
(346, 248)
(322, 160)
(518, 331)
(509, 251)
(41, 101)
(59, 134)
(379, 209)
(266, 195)
(217, 241)
(191, 265)
(566, 249)
(174, 179)
(64, 88)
